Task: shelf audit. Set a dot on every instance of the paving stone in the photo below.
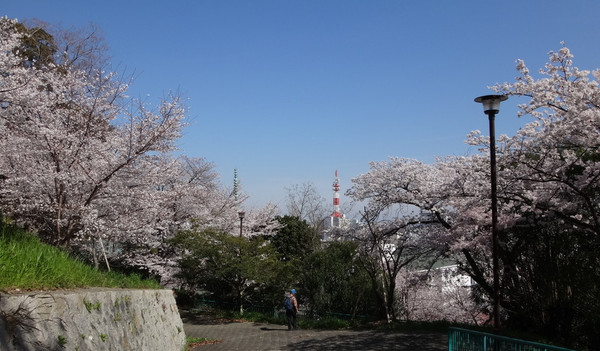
(269, 337)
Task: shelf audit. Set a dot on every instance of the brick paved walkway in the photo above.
(259, 336)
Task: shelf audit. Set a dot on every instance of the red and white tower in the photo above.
(336, 197)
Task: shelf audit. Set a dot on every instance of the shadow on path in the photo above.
(281, 329)
(373, 341)
(248, 336)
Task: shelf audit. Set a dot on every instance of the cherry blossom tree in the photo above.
(548, 190)
(189, 199)
(67, 138)
(555, 158)
(88, 167)
(552, 172)
(392, 240)
(438, 294)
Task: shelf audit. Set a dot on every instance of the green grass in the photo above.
(28, 264)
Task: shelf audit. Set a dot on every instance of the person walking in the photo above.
(291, 310)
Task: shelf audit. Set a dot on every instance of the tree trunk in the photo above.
(388, 315)
(95, 255)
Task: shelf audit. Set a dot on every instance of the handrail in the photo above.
(469, 340)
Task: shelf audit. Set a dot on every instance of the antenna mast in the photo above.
(336, 197)
(236, 185)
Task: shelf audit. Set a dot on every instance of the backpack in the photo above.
(287, 303)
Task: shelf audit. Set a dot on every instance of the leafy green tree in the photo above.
(556, 294)
(37, 46)
(295, 240)
(232, 269)
(333, 280)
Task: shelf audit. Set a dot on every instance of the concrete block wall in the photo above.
(91, 319)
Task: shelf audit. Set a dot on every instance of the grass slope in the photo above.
(28, 264)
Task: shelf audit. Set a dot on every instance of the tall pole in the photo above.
(495, 240)
(491, 106)
(241, 214)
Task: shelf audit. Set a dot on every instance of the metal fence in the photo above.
(469, 340)
(274, 311)
(200, 304)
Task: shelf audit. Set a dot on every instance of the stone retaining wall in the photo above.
(91, 319)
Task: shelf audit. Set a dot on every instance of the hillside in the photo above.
(28, 264)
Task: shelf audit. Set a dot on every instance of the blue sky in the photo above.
(288, 91)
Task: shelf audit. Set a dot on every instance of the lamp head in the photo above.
(241, 214)
(491, 103)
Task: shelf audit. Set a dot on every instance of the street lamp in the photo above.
(491, 106)
(241, 214)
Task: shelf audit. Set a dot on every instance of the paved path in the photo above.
(260, 336)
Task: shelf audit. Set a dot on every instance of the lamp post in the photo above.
(241, 214)
(491, 106)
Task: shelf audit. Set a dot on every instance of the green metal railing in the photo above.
(469, 340)
(274, 311)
